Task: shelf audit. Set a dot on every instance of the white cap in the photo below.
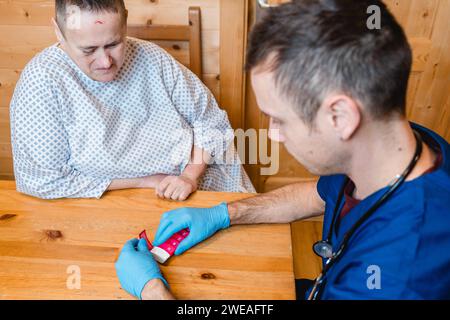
(160, 255)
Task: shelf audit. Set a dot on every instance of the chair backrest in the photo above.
(190, 33)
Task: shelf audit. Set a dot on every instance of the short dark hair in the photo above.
(325, 45)
(61, 8)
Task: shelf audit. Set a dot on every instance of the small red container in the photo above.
(143, 235)
(163, 252)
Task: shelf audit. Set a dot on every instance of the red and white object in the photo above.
(164, 251)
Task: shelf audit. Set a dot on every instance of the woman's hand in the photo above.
(180, 187)
(176, 187)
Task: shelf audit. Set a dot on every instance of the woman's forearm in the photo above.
(197, 165)
(193, 171)
(136, 183)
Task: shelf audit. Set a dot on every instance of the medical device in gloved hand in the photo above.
(164, 251)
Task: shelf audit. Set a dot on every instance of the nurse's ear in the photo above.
(58, 32)
(343, 114)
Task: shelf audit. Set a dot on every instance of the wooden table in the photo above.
(45, 243)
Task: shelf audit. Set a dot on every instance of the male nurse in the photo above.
(335, 91)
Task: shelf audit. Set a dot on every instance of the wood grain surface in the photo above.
(43, 241)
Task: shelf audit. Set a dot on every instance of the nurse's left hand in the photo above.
(176, 187)
(136, 266)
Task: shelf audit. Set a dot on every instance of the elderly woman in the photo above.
(100, 111)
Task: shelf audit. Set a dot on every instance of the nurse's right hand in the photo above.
(202, 224)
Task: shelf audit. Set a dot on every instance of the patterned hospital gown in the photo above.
(71, 135)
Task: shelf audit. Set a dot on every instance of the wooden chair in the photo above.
(190, 33)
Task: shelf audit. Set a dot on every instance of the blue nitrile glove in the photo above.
(136, 266)
(202, 223)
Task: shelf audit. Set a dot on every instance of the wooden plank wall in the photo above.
(233, 38)
(427, 28)
(25, 30)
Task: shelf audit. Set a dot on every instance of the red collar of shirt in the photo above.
(351, 202)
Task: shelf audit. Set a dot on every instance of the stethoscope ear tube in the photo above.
(324, 248)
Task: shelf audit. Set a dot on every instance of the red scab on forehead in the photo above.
(99, 22)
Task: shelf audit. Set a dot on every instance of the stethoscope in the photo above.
(324, 248)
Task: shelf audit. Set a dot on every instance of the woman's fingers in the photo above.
(169, 190)
(184, 195)
(163, 186)
(177, 192)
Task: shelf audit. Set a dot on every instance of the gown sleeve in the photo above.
(197, 105)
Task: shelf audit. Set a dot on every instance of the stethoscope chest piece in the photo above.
(323, 249)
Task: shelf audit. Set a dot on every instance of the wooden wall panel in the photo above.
(8, 79)
(19, 43)
(25, 29)
(426, 25)
(29, 22)
(232, 52)
(5, 145)
(23, 12)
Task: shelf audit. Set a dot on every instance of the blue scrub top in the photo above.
(403, 250)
